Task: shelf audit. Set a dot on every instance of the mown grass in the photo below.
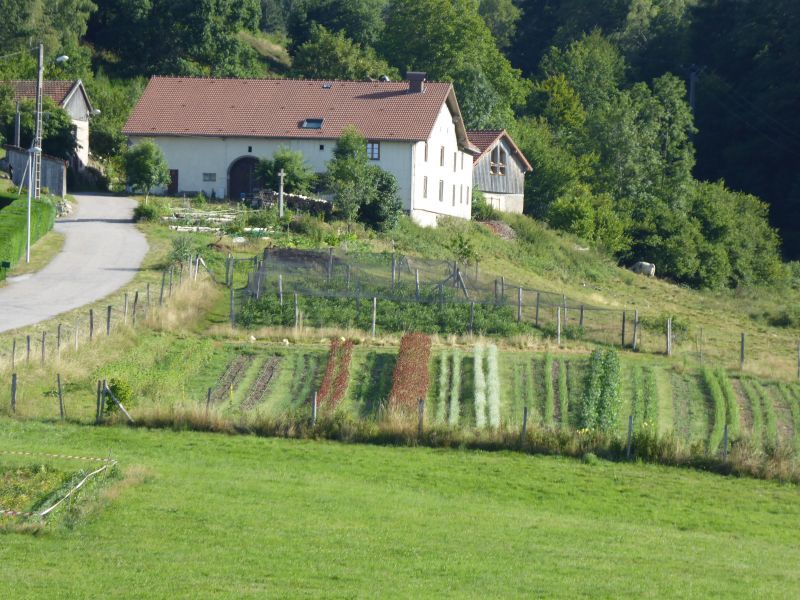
(254, 517)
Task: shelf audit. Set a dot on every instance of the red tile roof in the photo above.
(484, 140)
(275, 108)
(26, 89)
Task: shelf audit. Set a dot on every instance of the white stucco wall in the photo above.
(82, 138)
(194, 156)
(452, 177)
(510, 203)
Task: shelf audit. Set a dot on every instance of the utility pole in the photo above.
(35, 161)
(281, 174)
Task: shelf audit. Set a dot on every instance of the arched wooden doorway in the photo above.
(242, 177)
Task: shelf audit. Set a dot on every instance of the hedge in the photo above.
(13, 227)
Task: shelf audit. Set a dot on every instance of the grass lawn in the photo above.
(42, 252)
(238, 516)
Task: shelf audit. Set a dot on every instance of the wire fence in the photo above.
(365, 278)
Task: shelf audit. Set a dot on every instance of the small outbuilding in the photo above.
(499, 170)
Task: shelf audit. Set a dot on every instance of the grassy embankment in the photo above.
(253, 517)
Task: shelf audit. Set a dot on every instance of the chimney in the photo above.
(416, 82)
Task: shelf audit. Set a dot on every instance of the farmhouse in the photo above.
(214, 131)
(72, 97)
(499, 170)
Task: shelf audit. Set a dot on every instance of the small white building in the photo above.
(72, 97)
(499, 170)
(214, 131)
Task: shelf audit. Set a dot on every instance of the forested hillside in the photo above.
(597, 94)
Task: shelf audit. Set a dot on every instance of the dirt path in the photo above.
(745, 411)
(232, 376)
(261, 385)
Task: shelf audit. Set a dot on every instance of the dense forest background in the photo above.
(664, 130)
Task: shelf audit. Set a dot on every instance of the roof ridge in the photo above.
(300, 79)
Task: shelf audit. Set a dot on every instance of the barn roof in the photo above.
(291, 108)
(58, 91)
(485, 139)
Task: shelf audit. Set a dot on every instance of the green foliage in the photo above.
(481, 210)
(563, 394)
(359, 20)
(145, 212)
(361, 190)
(731, 404)
(479, 386)
(719, 415)
(57, 137)
(462, 248)
(590, 217)
(122, 391)
(183, 247)
(549, 393)
(601, 401)
(145, 167)
(13, 219)
(455, 389)
(328, 55)
(444, 378)
(501, 17)
(450, 41)
(299, 177)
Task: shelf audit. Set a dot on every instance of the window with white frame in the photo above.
(425, 187)
(426, 151)
(454, 194)
(374, 150)
(441, 191)
(455, 161)
(441, 157)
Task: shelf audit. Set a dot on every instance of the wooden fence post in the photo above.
(538, 303)
(630, 437)
(558, 326)
(502, 288)
(13, 393)
(60, 396)
(135, 304)
(725, 443)
(374, 314)
(232, 309)
(98, 411)
(163, 284)
(416, 283)
(314, 410)
(44, 338)
(280, 288)
(471, 317)
(169, 294)
(519, 304)
(108, 320)
(624, 318)
(421, 411)
(635, 329)
(394, 269)
(208, 400)
(524, 432)
(91, 324)
(741, 355)
(125, 310)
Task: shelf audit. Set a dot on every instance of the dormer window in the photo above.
(497, 164)
(311, 124)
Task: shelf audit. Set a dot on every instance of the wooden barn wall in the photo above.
(512, 183)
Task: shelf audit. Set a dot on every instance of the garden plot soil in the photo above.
(745, 410)
(261, 385)
(232, 377)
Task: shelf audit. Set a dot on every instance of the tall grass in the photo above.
(549, 395)
(718, 401)
(480, 387)
(770, 418)
(757, 434)
(493, 386)
(455, 389)
(638, 396)
(793, 402)
(530, 386)
(731, 404)
(650, 393)
(563, 393)
(444, 386)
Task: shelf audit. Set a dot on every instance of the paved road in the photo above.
(102, 252)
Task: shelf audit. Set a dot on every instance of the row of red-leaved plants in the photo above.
(411, 378)
(337, 373)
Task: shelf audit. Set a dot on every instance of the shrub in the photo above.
(481, 210)
(601, 398)
(122, 391)
(480, 387)
(145, 212)
(183, 246)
